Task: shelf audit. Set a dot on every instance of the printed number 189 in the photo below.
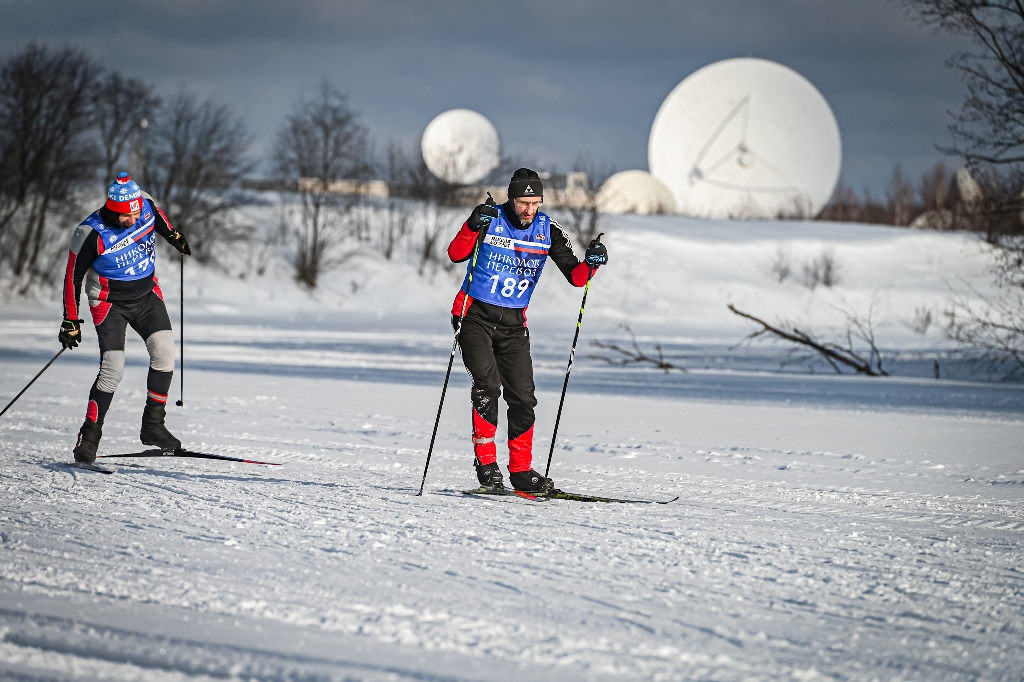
(509, 286)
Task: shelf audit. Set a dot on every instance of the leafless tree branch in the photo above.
(833, 353)
(633, 355)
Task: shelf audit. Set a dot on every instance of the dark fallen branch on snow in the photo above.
(833, 353)
(634, 355)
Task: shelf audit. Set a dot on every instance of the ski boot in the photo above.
(531, 482)
(489, 475)
(154, 432)
(88, 442)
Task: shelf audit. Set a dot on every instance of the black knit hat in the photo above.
(525, 183)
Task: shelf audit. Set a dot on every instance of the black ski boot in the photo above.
(154, 432)
(489, 475)
(531, 482)
(88, 442)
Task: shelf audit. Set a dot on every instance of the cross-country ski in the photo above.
(182, 452)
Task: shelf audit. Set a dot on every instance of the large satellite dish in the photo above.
(461, 147)
(635, 191)
(746, 138)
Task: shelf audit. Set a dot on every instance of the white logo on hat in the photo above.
(133, 206)
(528, 190)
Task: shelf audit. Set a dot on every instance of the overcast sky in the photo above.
(559, 79)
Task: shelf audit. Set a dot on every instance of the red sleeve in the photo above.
(461, 247)
(581, 273)
(85, 247)
(71, 292)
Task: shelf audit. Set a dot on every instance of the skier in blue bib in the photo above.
(113, 253)
(515, 241)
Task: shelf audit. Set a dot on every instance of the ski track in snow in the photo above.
(786, 556)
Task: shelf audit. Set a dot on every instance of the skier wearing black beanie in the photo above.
(514, 240)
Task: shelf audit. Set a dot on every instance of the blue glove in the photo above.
(597, 254)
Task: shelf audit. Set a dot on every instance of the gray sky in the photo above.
(559, 79)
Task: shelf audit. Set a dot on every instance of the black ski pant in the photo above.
(149, 318)
(495, 344)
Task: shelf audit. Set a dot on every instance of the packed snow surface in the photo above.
(827, 527)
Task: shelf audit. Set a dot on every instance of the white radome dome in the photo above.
(635, 191)
(746, 138)
(461, 147)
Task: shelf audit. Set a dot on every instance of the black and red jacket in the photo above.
(575, 271)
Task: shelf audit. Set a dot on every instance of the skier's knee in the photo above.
(485, 402)
(111, 371)
(161, 350)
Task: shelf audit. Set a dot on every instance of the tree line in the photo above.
(68, 125)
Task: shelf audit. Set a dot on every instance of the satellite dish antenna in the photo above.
(746, 138)
(460, 147)
(635, 191)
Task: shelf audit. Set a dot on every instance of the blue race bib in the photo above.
(510, 262)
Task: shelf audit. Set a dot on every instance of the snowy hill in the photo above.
(668, 275)
(827, 527)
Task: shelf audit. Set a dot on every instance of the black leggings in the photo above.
(148, 317)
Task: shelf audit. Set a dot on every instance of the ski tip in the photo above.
(670, 501)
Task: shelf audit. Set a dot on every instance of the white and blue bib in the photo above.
(509, 262)
(127, 253)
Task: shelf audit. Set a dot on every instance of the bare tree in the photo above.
(990, 126)
(45, 119)
(397, 219)
(988, 134)
(633, 355)
(441, 208)
(847, 206)
(901, 197)
(992, 330)
(120, 104)
(934, 187)
(781, 265)
(858, 331)
(823, 269)
(321, 142)
(197, 154)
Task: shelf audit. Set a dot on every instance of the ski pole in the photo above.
(455, 343)
(572, 354)
(54, 359)
(181, 330)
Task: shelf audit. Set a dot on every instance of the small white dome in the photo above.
(635, 191)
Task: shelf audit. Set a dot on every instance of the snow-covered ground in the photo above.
(827, 527)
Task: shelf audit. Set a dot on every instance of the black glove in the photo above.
(178, 241)
(597, 254)
(481, 217)
(70, 333)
